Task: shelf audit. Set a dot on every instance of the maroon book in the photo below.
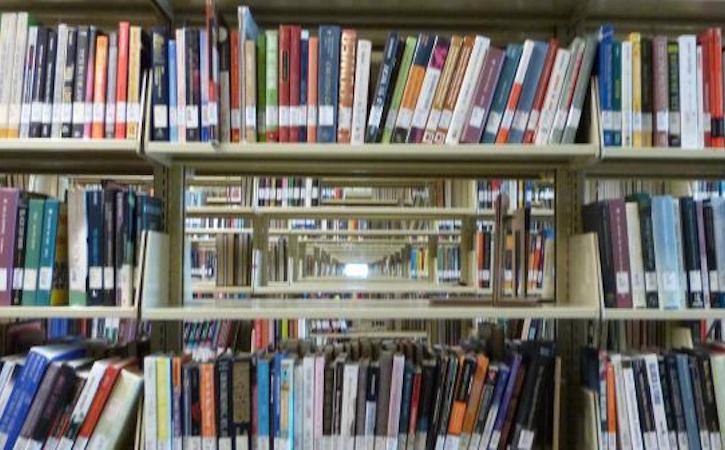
(8, 217)
(483, 96)
(620, 252)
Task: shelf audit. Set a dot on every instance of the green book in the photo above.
(33, 240)
(47, 251)
(271, 86)
(261, 87)
(399, 88)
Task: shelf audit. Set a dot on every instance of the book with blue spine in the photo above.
(667, 260)
(516, 366)
(173, 101)
(502, 382)
(33, 241)
(276, 397)
(617, 93)
(304, 63)
(328, 83)
(26, 385)
(688, 401)
(94, 218)
(47, 251)
(528, 92)
(263, 374)
(501, 93)
(605, 65)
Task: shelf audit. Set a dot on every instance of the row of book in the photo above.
(666, 400)
(70, 81)
(358, 394)
(521, 193)
(83, 251)
(69, 396)
(287, 85)
(655, 91)
(659, 251)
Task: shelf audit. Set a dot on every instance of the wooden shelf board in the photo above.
(662, 314)
(67, 312)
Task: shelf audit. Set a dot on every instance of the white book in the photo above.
(77, 246)
(319, 397)
(702, 118)
(149, 404)
(427, 92)
(8, 28)
(299, 405)
(561, 114)
(551, 99)
(181, 83)
(349, 404)
(636, 264)
(630, 392)
(519, 76)
(626, 93)
(658, 406)
(308, 375)
(18, 71)
(360, 95)
(396, 393)
(687, 45)
(621, 401)
(27, 88)
(465, 95)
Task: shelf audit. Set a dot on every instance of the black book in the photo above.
(21, 227)
(223, 383)
(193, 89)
(486, 398)
(644, 205)
(38, 96)
(454, 368)
(708, 390)
(423, 49)
(109, 246)
(441, 374)
(540, 366)
(676, 396)
(427, 391)
(667, 399)
(337, 399)
(328, 394)
(691, 251)
(69, 84)
(60, 395)
(595, 218)
(159, 85)
(711, 252)
(384, 87)
(647, 91)
(191, 410)
(79, 81)
(644, 401)
(47, 108)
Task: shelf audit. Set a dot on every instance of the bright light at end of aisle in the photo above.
(356, 270)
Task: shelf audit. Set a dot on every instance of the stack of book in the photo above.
(86, 251)
(70, 81)
(58, 396)
(288, 85)
(360, 394)
(664, 400)
(660, 252)
(655, 91)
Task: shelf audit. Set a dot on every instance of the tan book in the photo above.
(348, 45)
(99, 88)
(250, 90)
(113, 430)
(454, 89)
(439, 97)
(133, 98)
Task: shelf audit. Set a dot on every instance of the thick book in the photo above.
(688, 400)
(515, 93)
(634, 237)
(670, 291)
(9, 203)
(561, 117)
(27, 89)
(100, 81)
(116, 423)
(691, 251)
(38, 91)
(94, 219)
(328, 83)
(384, 87)
(540, 93)
(416, 75)
(247, 31)
(483, 96)
(711, 252)
(109, 127)
(312, 80)
(528, 91)
(428, 90)
(77, 247)
(360, 98)
(271, 86)
(581, 90)
(193, 92)
(135, 76)
(159, 85)
(50, 83)
(348, 50)
(551, 99)
(439, 98)
(400, 83)
(501, 94)
(661, 91)
(16, 75)
(90, 74)
(605, 69)
(687, 47)
(595, 219)
(647, 94)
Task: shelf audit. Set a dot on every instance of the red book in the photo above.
(234, 81)
(703, 40)
(717, 129)
(294, 83)
(541, 91)
(122, 80)
(283, 84)
(414, 404)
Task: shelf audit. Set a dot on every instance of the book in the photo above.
(360, 98)
(416, 74)
(528, 91)
(401, 79)
(483, 96)
(348, 50)
(271, 40)
(328, 83)
(687, 59)
(501, 94)
(384, 87)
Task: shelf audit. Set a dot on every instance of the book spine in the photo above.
(223, 397)
(648, 253)
(108, 247)
(538, 103)
(501, 94)
(703, 88)
(515, 92)
(181, 69)
(688, 401)
(283, 82)
(416, 75)
(617, 61)
(400, 84)
(29, 70)
(328, 83)
(222, 89)
(16, 76)
(7, 43)
(122, 76)
(661, 94)
(673, 82)
(528, 91)
(360, 98)
(687, 59)
(636, 265)
(261, 89)
(48, 90)
(173, 100)
(305, 85)
(77, 247)
(94, 219)
(702, 249)
(711, 254)
(212, 49)
(618, 227)
(294, 83)
(160, 86)
(647, 94)
(79, 88)
(312, 84)
(38, 92)
(271, 102)
(109, 129)
(716, 88)
(670, 292)
(428, 90)
(383, 88)
(192, 82)
(578, 48)
(580, 92)
(204, 84)
(691, 249)
(99, 89)
(32, 251)
(90, 72)
(606, 81)
(9, 205)
(553, 92)
(47, 251)
(133, 98)
(348, 50)
(237, 52)
(208, 406)
(483, 96)
(250, 103)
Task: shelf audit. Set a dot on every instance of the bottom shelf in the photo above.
(68, 312)
(364, 309)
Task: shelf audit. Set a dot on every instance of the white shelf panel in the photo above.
(298, 212)
(662, 314)
(392, 286)
(660, 162)
(67, 312)
(302, 232)
(363, 309)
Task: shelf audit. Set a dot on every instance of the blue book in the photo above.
(328, 81)
(528, 92)
(617, 93)
(408, 375)
(204, 79)
(498, 395)
(501, 94)
(263, 374)
(276, 378)
(667, 256)
(94, 219)
(304, 63)
(28, 381)
(605, 70)
(506, 399)
(688, 402)
(47, 251)
(173, 120)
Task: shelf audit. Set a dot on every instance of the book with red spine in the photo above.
(90, 82)
(212, 44)
(283, 83)
(294, 83)
(541, 91)
(516, 88)
(122, 80)
(704, 41)
(314, 46)
(207, 395)
(234, 88)
(99, 88)
(717, 128)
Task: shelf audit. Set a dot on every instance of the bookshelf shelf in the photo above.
(328, 233)
(82, 156)
(659, 162)
(68, 312)
(368, 212)
(362, 309)
(391, 286)
(662, 314)
(371, 159)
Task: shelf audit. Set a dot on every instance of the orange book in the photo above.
(716, 87)
(206, 399)
(99, 400)
(611, 402)
(348, 46)
(234, 81)
(474, 399)
(99, 87)
(122, 80)
(454, 89)
(458, 411)
(314, 45)
(250, 90)
(416, 74)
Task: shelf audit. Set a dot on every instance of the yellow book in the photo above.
(59, 291)
(163, 402)
(133, 106)
(637, 132)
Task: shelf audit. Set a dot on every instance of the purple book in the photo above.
(427, 90)
(620, 251)
(8, 214)
(483, 96)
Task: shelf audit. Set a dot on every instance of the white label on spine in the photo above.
(110, 113)
(172, 118)
(47, 113)
(77, 282)
(494, 120)
(3, 279)
(236, 117)
(327, 116)
(271, 116)
(250, 117)
(30, 279)
(204, 115)
(721, 279)
(445, 121)
(662, 120)
(45, 279)
(533, 120)
(675, 123)
(294, 116)
(650, 281)
(494, 439)
(574, 116)
(120, 111)
(526, 439)
(312, 116)
(95, 277)
(714, 285)
(376, 115)
(670, 280)
(208, 443)
(284, 116)
(98, 112)
(622, 283)
(695, 281)
(161, 116)
(302, 116)
(225, 443)
(637, 281)
(133, 113)
(345, 118)
(108, 275)
(707, 122)
(66, 112)
(637, 121)
(18, 278)
(520, 120)
(607, 119)
(476, 117)
(36, 112)
(192, 116)
(25, 116)
(213, 113)
(88, 112)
